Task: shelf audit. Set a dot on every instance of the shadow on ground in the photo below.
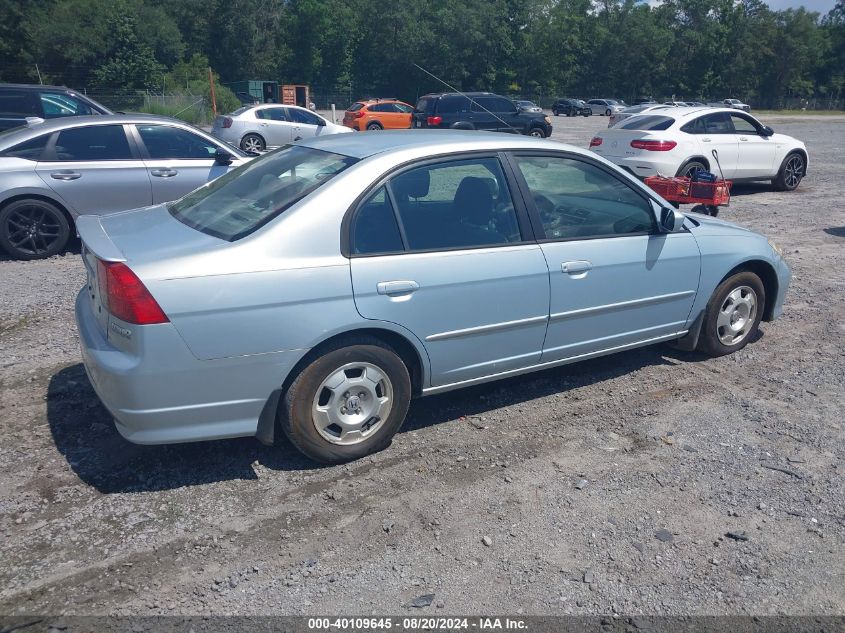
(85, 435)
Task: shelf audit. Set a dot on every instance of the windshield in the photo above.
(355, 107)
(248, 197)
(648, 122)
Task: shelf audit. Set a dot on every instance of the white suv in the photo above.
(727, 142)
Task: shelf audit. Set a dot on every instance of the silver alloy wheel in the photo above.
(251, 144)
(793, 171)
(352, 403)
(737, 315)
(536, 133)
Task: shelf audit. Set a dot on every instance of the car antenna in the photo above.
(453, 89)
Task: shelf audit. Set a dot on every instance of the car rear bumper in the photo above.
(164, 394)
(645, 165)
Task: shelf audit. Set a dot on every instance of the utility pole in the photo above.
(213, 100)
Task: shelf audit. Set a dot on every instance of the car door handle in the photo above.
(164, 173)
(743, 138)
(65, 175)
(396, 287)
(576, 267)
(705, 140)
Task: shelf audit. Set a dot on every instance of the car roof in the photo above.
(365, 145)
(24, 133)
(36, 87)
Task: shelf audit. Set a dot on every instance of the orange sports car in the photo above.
(378, 114)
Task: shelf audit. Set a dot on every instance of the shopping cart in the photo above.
(707, 196)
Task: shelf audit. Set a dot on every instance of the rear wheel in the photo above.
(607, 112)
(556, 112)
(732, 315)
(33, 229)
(790, 174)
(253, 143)
(347, 403)
(375, 126)
(690, 167)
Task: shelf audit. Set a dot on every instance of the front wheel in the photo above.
(732, 315)
(536, 132)
(790, 174)
(347, 403)
(556, 112)
(33, 229)
(607, 112)
(253, 143)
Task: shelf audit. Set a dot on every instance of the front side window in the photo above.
(577, 200)
(743, 125)
(17, 103)
(492, 104)
(375, 230)
(303, 117)
(246, 198)
(96, 142)
(163, 141)
(455, 103)
(401, 107)
(456, 204)
(28, 150)
(56, 105)
(718, 123)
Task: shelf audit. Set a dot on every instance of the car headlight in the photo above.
(546, 119)
(777, 249)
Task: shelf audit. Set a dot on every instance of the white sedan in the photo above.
(257, 127)
(681, 141)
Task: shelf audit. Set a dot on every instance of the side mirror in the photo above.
(321, 123)
(766, 131)
(671, 220)
(222, 157)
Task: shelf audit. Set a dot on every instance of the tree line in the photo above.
(690, 49)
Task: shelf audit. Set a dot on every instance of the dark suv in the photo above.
(19, 101)
(571, 107)
(478, 111)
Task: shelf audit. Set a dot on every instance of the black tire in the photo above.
(586, 114)
(537, 132)
(33, 229)
(569, 113)
(691, 166)
(253, 143)
(607, 112)
(709, 341)
(791, 172)
(296, 418)
(556, 112)
(374, 126)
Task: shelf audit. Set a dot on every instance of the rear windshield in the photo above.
(423, 104)
(241, 110)
(248, 197)
(648, 122)
(355, 107)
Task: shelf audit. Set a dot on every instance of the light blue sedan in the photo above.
(315, 290)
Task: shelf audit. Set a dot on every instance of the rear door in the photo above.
(177, 160)
(755, 152)
(441, 251)
(96, 169)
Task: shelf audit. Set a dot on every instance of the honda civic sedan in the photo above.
(314, 291)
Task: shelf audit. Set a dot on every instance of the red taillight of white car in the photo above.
(654, 146)
(125, 297)
(595, 141)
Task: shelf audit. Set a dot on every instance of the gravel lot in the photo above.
(604, 487)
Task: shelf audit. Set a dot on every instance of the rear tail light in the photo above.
(654, 146)
(227, 121)
(359, 114)
(125, 297)
(595, 141)
(434, 120)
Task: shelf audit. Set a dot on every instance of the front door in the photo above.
(94, 169)
(178, 161)
(756, 157)
(614, 280)
(439, 250)
(718, 134)
(274, 125)
(304, 124)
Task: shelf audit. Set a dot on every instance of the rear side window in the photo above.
(493, 104)
(355, 107)
(29, 150)
(401, 107)
(718, 123)
(456, 103)
(382, 107)
(648, 122)
(271, 114)
(251, 195)
(376, 230)
(424, 104)
(97, 142)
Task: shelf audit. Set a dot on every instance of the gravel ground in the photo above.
(611, 486)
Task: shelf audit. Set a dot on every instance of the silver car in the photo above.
(317, 289)
(256, 128)
(53, 171)
(621, 115)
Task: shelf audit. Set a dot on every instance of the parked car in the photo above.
(378, 114)
(478, 111)
(627, 113)
(677, 104)
(314, 291)
(606, 107)
(257, 127)
(571, 107)
(54, 171)
(681, 141)
(736, 104)
(528, 106)
(21, 101)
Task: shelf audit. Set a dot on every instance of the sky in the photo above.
(822, 6)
